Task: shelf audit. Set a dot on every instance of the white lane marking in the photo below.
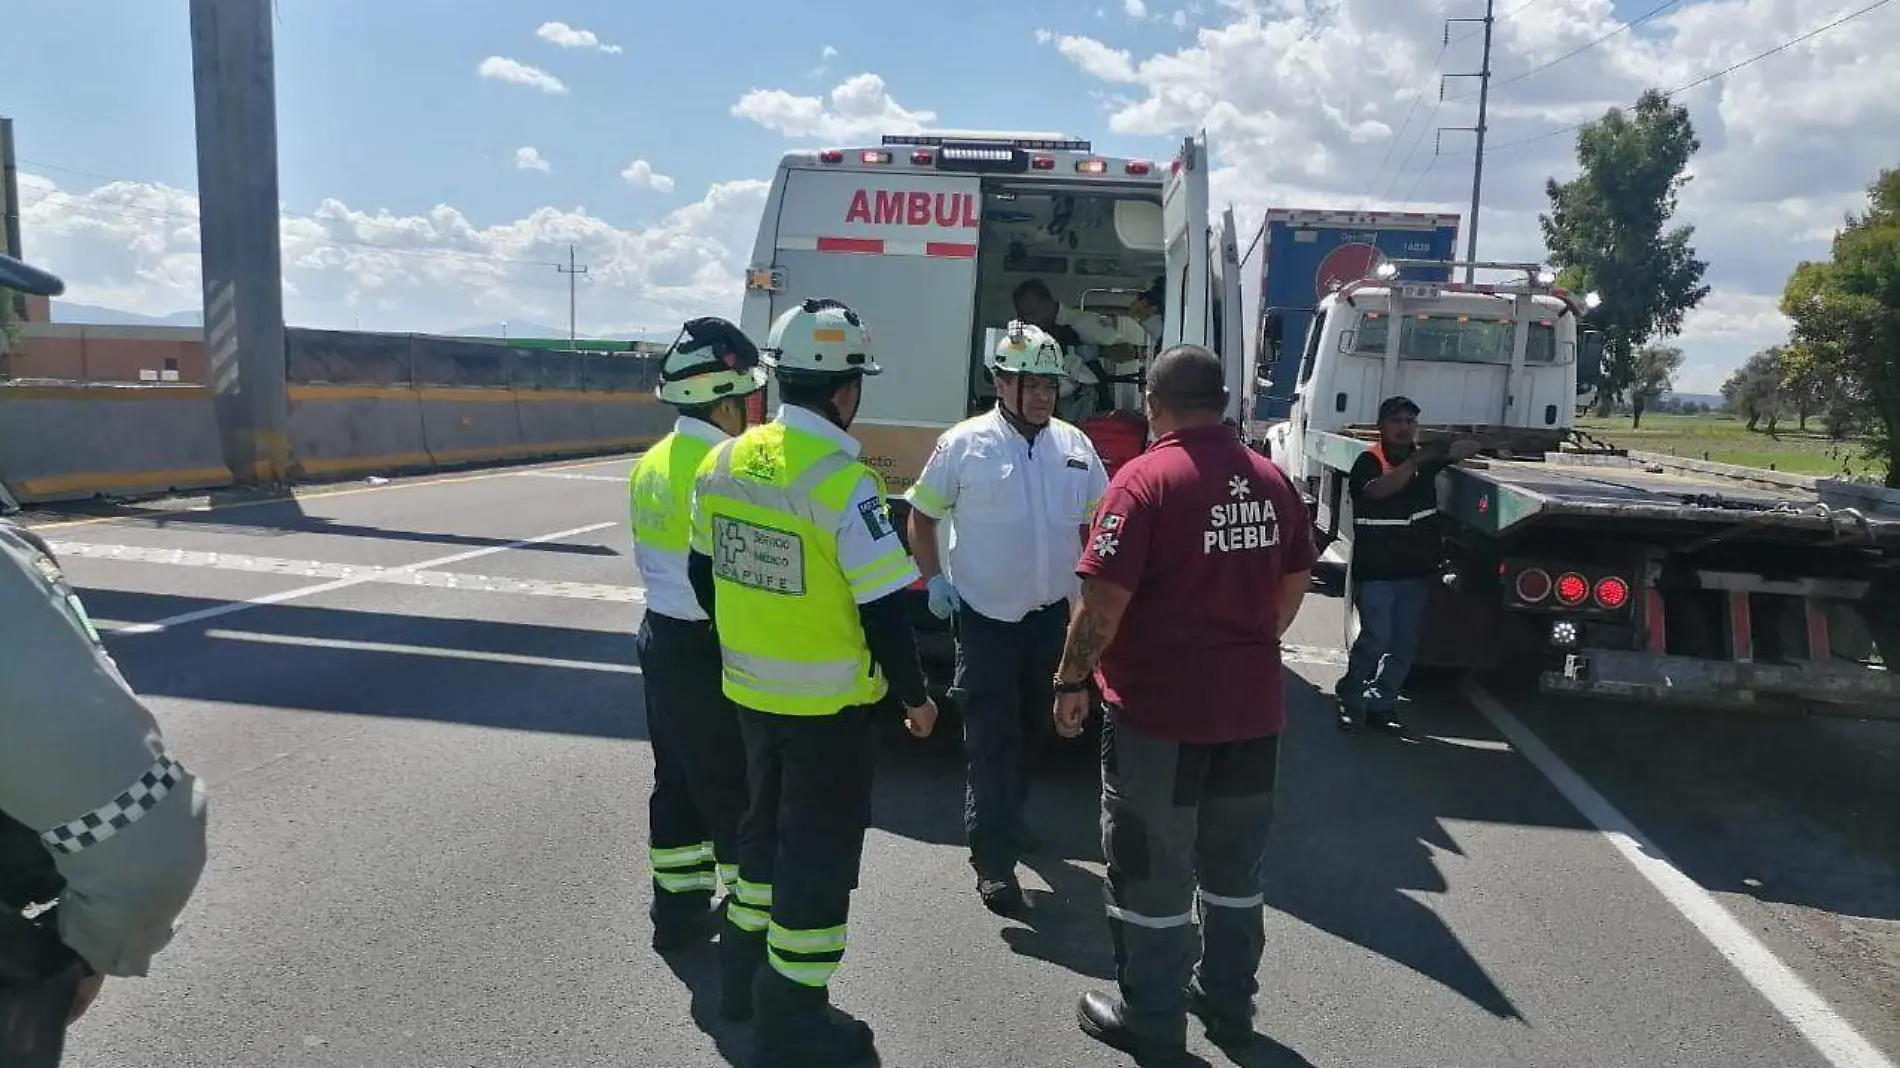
(1832, 1036)
(345, 583)
(423, 650)
(569, 476)
(452, 580)
(1312, 656)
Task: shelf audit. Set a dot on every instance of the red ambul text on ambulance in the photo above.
(909, 207)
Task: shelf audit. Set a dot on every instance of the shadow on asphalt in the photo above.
(698, 971)
(223, 660)
(1359, 817)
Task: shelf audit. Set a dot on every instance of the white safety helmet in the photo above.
(1026, 349)
(820, 337)
(709, 361)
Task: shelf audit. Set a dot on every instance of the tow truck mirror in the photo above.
(1589, 359)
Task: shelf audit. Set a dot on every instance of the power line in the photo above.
(1706, 79)
(1637, 21)
(1507, 16)
(1392, 146)
(327, 241)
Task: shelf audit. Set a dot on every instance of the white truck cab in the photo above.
(928, 236)
(1493, 356)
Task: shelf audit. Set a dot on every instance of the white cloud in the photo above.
(1180, 20)
(829, 53)
(641, 173)
(858, 106)
(134, 246)
(530, 159)
(1311, 103)
(560, 33)
(1097, 59)
(502, 69)
(1135, 9)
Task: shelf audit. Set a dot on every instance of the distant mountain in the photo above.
(90, 315)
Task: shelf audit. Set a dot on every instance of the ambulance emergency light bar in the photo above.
(1000, 154)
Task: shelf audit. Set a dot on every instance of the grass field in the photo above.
(1725, 439)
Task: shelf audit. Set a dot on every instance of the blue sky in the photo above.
(382, 109)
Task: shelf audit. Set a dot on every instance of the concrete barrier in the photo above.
(340, 431)
(72, 442)
(348, 431)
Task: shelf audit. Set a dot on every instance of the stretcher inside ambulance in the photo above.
(938, 240)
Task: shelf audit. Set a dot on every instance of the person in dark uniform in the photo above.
(699, 777)
(1198, 560)
(98, 819)
(1396, 549)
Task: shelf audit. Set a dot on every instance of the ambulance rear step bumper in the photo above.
(1831, 689)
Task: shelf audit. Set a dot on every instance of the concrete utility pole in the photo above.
(573, 274)
(1484, 101)
(10, 201)
(234, 75)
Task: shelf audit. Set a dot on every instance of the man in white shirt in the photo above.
(1019, 487)
(1073, 329)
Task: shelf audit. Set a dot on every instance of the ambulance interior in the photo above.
(1095, 249)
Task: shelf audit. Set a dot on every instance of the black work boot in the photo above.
(1003, 896)
(1228, 1025)
(798, 1027)
(681, 925)
(1103, 1017)
(741, 956)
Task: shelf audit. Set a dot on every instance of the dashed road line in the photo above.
(423, 650)
(406, 574)
(1831, 1035)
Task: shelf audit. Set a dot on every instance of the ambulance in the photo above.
(927, 236)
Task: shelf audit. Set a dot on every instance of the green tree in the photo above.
(1846, 314)
(1656, 367)
(1605, 231)
(1753, 390)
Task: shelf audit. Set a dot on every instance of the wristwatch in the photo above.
(1071, 687)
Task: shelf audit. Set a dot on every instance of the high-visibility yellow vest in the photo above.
(660, 494)
(769, 508)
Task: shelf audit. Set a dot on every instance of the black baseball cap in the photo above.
(1392, 406)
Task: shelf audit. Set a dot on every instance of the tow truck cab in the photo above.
(1499, 360)
(928, 236)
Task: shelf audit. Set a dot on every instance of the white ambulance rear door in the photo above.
(1189, 313)
(899, 249)
(1232, 320)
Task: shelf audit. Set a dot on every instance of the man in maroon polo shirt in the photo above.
(1197, 561)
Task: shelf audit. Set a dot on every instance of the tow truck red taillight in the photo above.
(1533, 585)
(831, 155)
(1572, 588)
(1613, 592)
(1138, 166)
(1043, 163)
(921, 159)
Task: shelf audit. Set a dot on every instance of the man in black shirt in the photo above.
(1395, 557)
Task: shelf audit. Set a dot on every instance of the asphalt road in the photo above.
(414, 708)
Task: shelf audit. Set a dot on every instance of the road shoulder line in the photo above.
(1831, 1035)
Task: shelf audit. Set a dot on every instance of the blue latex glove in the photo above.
(943, 597)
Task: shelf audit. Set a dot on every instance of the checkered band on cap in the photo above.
(119, 813)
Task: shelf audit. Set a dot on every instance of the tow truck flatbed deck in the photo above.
(1497, 496)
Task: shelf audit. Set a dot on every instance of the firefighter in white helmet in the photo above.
(795, 556)
(1019, 487)
(699, 784)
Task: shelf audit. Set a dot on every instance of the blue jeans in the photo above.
(1391, 615)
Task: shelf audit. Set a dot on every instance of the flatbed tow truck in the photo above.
(1606, 574)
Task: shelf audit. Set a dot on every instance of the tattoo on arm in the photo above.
(1098, 615)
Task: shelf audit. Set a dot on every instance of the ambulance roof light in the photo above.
(1044, 144)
